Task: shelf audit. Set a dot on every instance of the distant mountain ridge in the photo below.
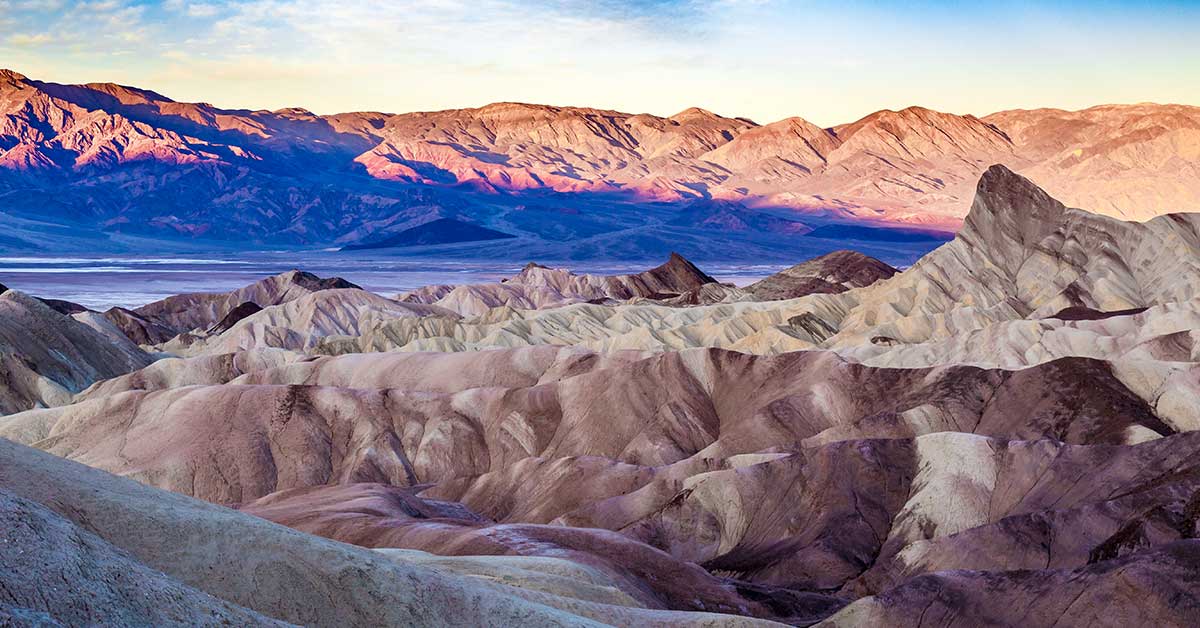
(129, 161)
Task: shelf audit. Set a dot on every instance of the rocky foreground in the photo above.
(1001, 434)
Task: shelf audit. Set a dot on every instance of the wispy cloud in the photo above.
(29, 39)
(411, 40)
(39, 5)
(829, 60)
(93, 26)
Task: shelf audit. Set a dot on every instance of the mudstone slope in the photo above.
(1003, 433)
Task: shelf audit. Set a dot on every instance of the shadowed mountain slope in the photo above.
(829, 274)
(440, 231)
(46, 357)
(110, 164)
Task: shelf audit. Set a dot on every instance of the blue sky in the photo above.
(830, 62)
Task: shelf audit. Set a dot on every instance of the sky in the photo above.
(828, 62)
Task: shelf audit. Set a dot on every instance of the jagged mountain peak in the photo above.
(683, 273)
(1009, 205)
(915, 114)
(310, 281)
(12, 75)
(1024, 254)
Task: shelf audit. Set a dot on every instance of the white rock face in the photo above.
(302, 323)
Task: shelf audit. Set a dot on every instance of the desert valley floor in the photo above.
(1005, 433)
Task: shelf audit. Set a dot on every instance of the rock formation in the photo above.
(187, 312)
(132, 552)
(537, 287)
(138, 328)
(46, 357)
(1003, 433)
(1021, 256)
(829, 274)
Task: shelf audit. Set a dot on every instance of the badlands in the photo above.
(1005, 433)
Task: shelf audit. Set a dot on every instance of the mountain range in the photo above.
(108, 167)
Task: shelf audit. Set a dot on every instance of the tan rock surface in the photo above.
(537, 287)
(187, 312)
(1002, 433)
(281, 573)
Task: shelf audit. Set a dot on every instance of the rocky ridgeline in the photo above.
(653, 448)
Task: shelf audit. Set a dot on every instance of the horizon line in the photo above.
(591, 107)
